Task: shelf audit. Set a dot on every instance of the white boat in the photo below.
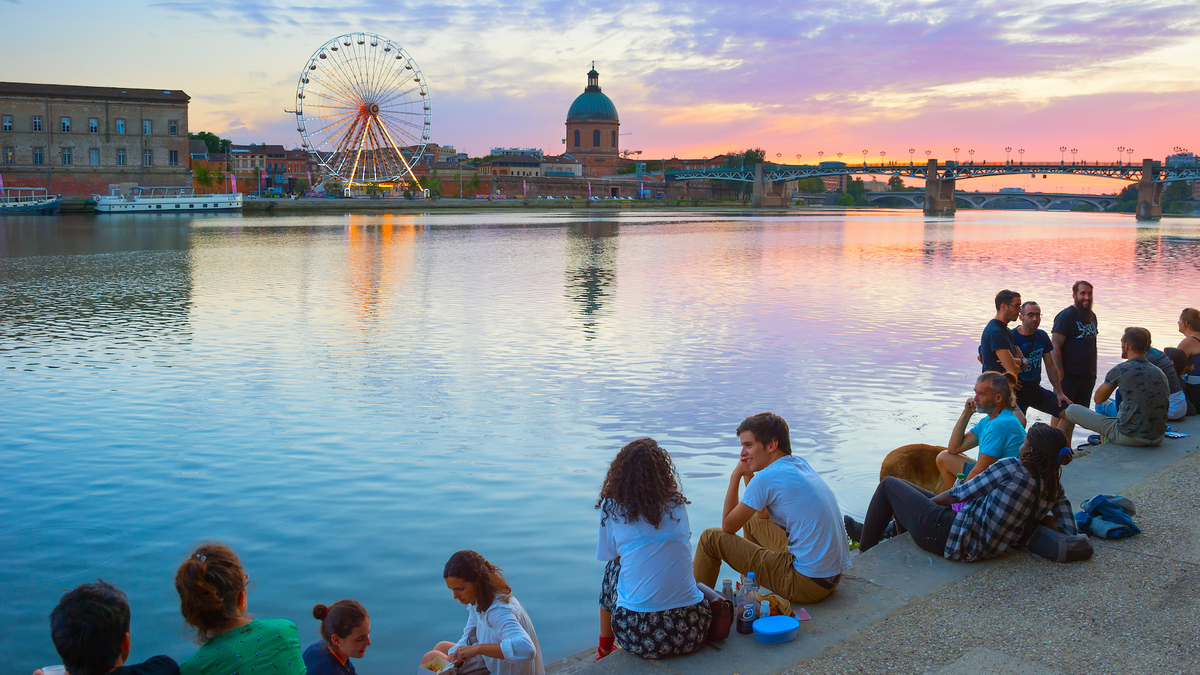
(165, 200)
(28, 200)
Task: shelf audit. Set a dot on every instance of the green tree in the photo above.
(896, 184)
(333, 187)
(846, 199)
(810, 185)
(214, 143)
(857, 189)
(301, 186)
(372, 190)
(204, 177)
(1178, 191)
(433, 184)
(472, 185)
(742, 160)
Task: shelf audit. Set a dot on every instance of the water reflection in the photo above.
(85, 279)
(591, 269)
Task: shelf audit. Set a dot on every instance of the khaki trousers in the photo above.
(1108, 427)
(763, 551)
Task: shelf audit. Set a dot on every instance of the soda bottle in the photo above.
(727, 591)
(747, 605)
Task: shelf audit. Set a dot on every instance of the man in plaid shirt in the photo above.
(996, 510)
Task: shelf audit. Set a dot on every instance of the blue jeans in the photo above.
(1112, 406)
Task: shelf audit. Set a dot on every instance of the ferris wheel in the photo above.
(363, 109)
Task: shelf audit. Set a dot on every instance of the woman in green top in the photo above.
(212, 598)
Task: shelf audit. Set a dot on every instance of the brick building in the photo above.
(76, 141)
(593, 130)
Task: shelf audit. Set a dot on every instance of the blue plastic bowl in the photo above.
(772, 630)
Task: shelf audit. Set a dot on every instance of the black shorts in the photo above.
(1034, 395)
(1079, 389)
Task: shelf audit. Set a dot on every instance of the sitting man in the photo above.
(1142, 415)
(90, 630)
(998, 435)
(800, 552)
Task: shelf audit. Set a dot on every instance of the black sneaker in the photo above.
(1094, 439)
(853, 529)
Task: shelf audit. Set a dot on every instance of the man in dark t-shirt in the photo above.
(90, 630)
(996, 348)
(1074, 337)
(1037, 349)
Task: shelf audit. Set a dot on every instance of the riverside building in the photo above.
(76, 140)
(594, 130)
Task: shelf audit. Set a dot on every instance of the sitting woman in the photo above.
(499, 637)
(1003, 505)
(649, 601)
(345, 635)
(212, 597)
(1189, 326)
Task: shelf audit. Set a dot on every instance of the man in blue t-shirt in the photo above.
(1038, 349)
(998, 435)
(996, 348)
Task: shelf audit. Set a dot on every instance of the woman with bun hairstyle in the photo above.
(345, 635)
(212, 598)
(1000, 508)
(499, 638)
(649, 602)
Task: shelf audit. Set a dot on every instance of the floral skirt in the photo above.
(654, 635)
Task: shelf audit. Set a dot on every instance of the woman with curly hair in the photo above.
(649, 602)
(499, 638)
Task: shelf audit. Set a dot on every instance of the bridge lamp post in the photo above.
(864, 157)
(797, 158)
(1006, 155)
(972, 154)
(839, 156)
(1129, 151)
(910, 155)
(928, 153)
(1073, 151)
(956, 155)
(1120, 151)
(882, 155)
(1022, 153)
(1062, 149)
(820, 156)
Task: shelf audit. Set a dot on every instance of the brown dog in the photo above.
(916, 463)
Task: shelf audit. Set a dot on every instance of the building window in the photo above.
(577, 138)
(174, 161)
(37, 156)
(8, 155)
(172, 128)
(8, 122)
(66, 156)
(94, 156)
(595, 138)
(120, 126)
(66, 125)
(121, 157)
(93, 125)
(146, 129)
(37, 123)
(148, 158)
(614, 133)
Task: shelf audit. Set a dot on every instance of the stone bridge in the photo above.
(1041, 201)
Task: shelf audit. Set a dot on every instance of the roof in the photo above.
(592, 104)
(560, 159)
(196, 147)
(74, 91)
(513, 160)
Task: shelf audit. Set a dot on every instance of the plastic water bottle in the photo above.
(747, 605)
(962, 478)
(764, 609)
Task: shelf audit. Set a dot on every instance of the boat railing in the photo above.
(23, 195)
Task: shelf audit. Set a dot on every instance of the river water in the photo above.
(347, 400)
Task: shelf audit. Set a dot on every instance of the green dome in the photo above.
(592, 104)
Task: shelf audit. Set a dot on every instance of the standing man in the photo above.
(1074, 336)
(1038, 349)
(997, 350)
(795, 540)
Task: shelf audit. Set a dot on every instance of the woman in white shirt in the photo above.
(499, 636)
(649, 602)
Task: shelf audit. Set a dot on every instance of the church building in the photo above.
(593, 130)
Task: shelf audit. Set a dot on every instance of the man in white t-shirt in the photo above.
(795, 542)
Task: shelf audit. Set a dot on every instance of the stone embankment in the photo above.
(1132, 607)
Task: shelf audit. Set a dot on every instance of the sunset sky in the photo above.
(688, 78)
